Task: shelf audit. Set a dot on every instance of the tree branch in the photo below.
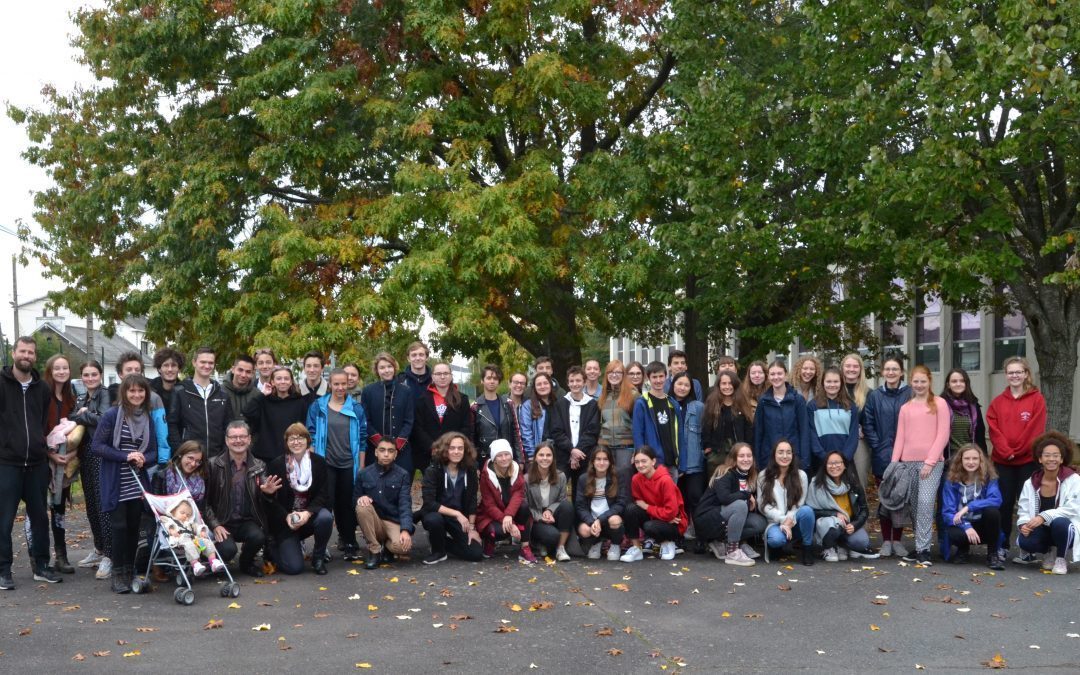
(631, 115)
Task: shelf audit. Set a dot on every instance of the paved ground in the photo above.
(691, 615)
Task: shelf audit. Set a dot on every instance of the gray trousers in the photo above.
(925, 505)
(741, 524)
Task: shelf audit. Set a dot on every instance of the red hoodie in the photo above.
(1014, 425)
(664, 499)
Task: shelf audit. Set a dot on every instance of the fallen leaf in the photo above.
(234, 605)
(354, 572)
(532, 580)
(104, 652)
(474, 583)
(513, 607)
(784, 587)
(604, 632)
(614, 652)
(78, 657)
(621, 587)
(213, 623)
(725, 615)
(753, 615)
(101, 619)
(128, 655)
(999, 616)
(460, 617)
(879, 601)
(541, 606)
(146, 629)
(70, 608)
(263, 603)
(593, 573)
(320, 615)
(352, 636)
(506, 629)
(885, 650)
(672, 602)
(363, 665)
(261, 627)
(875, 628)
(919, 667)
(404, 617)
(24, 631)
(819, 651)
(393, 580)
(372, 608)
(628, 630)
(121, 643)
(996, 663)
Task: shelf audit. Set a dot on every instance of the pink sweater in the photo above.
(920, 435)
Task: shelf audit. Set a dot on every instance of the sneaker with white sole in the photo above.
(216, 565)
(633, 554)
(868, 554)
(1025, 558)
(1049, 559)
(91, 560)
(104, 569)
(1061, 566)
(596, 549)
(561, 555)
(613, 553)
(830, 555)
(899, 550)
(198, 569)
(719, 550)
(841, 553)
(750, 552)
(648, 546)
(737, 557)
(886, 549)
(668, 550)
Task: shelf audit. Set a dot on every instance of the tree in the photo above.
(298, 174)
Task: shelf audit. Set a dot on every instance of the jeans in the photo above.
(445, 534)
(1057, 533)
(1011, 480)
(340, 482)
(803, 529)
(29, 485)
(547, 534)
(637, 518)
(246, 532)
(290, 555)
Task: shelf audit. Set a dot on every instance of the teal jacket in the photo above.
(317, 423)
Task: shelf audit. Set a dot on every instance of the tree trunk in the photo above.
(696, 344)
(1053, 316)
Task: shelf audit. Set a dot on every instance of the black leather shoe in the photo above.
(807, 555)
(318, 563)
(372, 561)
(6, 582)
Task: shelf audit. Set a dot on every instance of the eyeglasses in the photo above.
(295, 439)
(834, 465)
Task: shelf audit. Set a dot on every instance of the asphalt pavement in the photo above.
(691, 614)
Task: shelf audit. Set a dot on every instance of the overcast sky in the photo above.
(35, 43)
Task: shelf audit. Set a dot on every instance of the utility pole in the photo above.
(15, 294)
(89, 336)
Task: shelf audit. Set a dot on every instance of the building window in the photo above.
(928, 331)
(966, 341)
(893, 337)
(1010, 337)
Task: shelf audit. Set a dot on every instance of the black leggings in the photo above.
(523, 519)
(1011, 480)
(637, 518)
(341, 491)
(612, 534)
(445, 534)
(988, 526)
(56, 513)
(547, 534)
(125, 532)
(692, 486)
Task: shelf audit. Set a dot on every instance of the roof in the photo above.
(113, 346)
(136, 322)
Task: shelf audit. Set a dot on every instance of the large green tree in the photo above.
(313, 172)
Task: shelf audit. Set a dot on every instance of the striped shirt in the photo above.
(129, 487)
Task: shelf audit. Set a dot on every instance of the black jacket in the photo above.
(485, 430)
(269, 417)
(434, 487)
(583, 502)
(239, 397)
(22, 420)
(720, 439)
(280, 504)
(191, 417)
(723, 491)
(427, 428)
(390, 408)
(588, 430)
(166, 395)
(219, 490)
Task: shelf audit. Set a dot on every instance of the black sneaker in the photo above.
(912, 557)
(319, 565)
(923, 558)
(48, 575)
(434, 558)
(6, 582)
(254, 570)
(351, 552)
(995, 561)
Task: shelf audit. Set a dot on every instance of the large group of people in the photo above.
(628, 460)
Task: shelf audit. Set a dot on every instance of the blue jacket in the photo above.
(698, 394)
(395, 420)
(691, 455)
(833, 428)
(113, 460)
(390, 491)
(645, 431)
(317, 423)
(784, 420)
(532, 430)
(879, 420)
(989, 496)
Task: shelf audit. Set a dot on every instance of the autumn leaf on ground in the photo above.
(146, 629)
(234, 605)
(446, 593)
(261, 627)
(513, 607)
(363, 665)
(784, 587)
(725, 615)
(885, 650)
(70, 608)
(101, 619)
(321, 615)
(103, 652)
(352, 636)
(996, 663)
(604, 632)
(213, 623)
(121, 643)
(621, 587)
(128, 655)
(541, 605)
(672, 602)
(879, 601)
(263, 603)
(372, 608)
(873, 627)
(24, 631)
(78, 657)
(752, 615)
(614, 652)
(505, 629)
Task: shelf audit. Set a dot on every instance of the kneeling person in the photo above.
(384, 506)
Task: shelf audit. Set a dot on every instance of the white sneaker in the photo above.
(1061, 566)
(91, 560)
(667, 550)
(737, 557)
(633, 554)
(830, 555)
(561, 555)
(841, 553)
(104, 569)
(886, 549)
(613, 553)
(870, 555)
(719, 550)
(596, 549)
(899, 550)
(198, 569)
(217, 565)
(750, 552)
(1049, 559)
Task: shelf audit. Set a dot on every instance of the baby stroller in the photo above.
(168, 556)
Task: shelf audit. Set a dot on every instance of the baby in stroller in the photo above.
(193, 536)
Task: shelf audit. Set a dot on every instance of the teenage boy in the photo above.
(131, 363)
(239, 385)
(418, 374)
(312, 384)
(494, 417)
(676, 365)
(727, 363)
(200, 408)
(383, 499)
(168, 362)
(575, 426)
(656, 420)
(592, 379)
(24, 466)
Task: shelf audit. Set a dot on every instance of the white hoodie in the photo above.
(575, 415)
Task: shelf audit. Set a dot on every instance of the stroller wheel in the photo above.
(179, 579)
(185, 596)
(234, 590)
(225, 591)
(136, 585)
